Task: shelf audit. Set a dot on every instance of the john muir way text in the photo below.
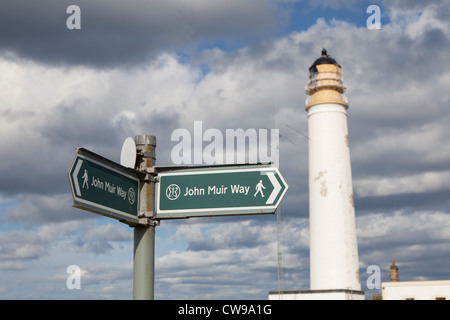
(234, 188)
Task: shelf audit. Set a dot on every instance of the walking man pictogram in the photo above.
(259, 188)
(86, 178)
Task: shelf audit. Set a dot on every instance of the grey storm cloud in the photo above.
(124, 32)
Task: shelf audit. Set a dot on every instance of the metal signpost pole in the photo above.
(144, 235)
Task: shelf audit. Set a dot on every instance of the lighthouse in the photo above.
(334, 269)
(333, 244)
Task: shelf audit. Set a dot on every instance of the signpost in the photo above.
(127, 193)
(104, 187)
(219, 191)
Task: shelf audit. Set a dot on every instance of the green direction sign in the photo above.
(219, 191)
(104, 187)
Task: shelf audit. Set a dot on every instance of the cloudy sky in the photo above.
(150, 67)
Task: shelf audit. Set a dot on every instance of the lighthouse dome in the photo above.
(325, 83)
(324, 59)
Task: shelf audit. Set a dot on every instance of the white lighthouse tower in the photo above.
(333, 245)
(333, 248)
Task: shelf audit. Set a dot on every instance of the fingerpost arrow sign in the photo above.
(217, 191)
(104, 187)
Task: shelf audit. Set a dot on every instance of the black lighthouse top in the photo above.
(324, 59)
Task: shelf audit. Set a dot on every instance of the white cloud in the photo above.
(8, 265)
(416, 183)
(32, 244)
(230, 256)
(418, 19)
(411, 227)
(417, 241)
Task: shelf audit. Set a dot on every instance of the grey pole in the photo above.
(144, 235)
